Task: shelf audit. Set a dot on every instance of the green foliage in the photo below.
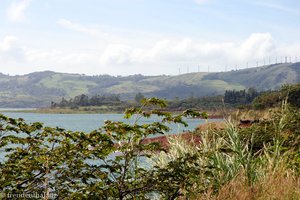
(231, 98)
(240, 97)
(38, 89)
(283, 126)
(267, 100)
(225, 155)
(212, 164)
(207, 103)
(274, 98)
(293, 94)
(84, 100)
(264, 78)
(109, 162)
(115, 162)
(139, 97)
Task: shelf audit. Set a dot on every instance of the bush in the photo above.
(106, 163)
(274, 98)
(232, 162)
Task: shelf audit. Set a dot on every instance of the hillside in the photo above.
(262, 78)
(38, 89)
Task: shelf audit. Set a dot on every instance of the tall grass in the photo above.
(281, 184)
(230, 168)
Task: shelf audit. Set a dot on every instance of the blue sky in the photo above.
(122, 37)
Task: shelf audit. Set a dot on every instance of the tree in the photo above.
(240, 97)
(81, 100)
(84, 100)
(251, 94)
(101, 164)
(139, 97)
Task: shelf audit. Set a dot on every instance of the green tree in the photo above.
(139, 97)
(107, 163)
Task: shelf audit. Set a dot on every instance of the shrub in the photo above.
(237, 163)
(106, 163)
(274, 98)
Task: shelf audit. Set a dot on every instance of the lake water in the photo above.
(90, 122)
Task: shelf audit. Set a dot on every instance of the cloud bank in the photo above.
(164, 56)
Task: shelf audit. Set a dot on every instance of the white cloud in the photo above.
(7, 43)
(77, 27)
(60, 58)
(10, 50)
(16, 11)
(92, 31)
(168, 54)
(119, 54)
(161, 57)
(258, 45)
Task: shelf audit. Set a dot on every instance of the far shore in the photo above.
(58, 111)
(212, 115)
(17, 109)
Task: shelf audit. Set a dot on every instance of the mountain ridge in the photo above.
(38, 89)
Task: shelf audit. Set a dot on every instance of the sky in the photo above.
(150, 37)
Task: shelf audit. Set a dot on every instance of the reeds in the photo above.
(229, 167)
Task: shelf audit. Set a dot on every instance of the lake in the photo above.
(90, 122)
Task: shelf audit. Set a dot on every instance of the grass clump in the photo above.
(235, 163)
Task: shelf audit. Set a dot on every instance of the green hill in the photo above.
(38, 89)
(262, 78)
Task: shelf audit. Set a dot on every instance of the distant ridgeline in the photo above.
(232, 98)
(38, 89)
(84, 100)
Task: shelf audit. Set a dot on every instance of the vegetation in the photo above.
(113, 162)
(208, 103)
(269, 77)
(84, 100)
(240, 97)
(230, 99)
(104, 163)
(40, 88)
(233, 163)
(274, 98)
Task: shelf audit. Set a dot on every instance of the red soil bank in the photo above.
(163, 140)
(187, 136)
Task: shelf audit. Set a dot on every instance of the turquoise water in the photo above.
(90, 122)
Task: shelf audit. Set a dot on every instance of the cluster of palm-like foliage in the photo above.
(249, 156)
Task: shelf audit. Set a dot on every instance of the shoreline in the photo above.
(212, 115)
(189, 136)
(164, 139)
(59, 111)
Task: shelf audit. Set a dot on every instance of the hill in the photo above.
(38, 89)
(262, 78)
